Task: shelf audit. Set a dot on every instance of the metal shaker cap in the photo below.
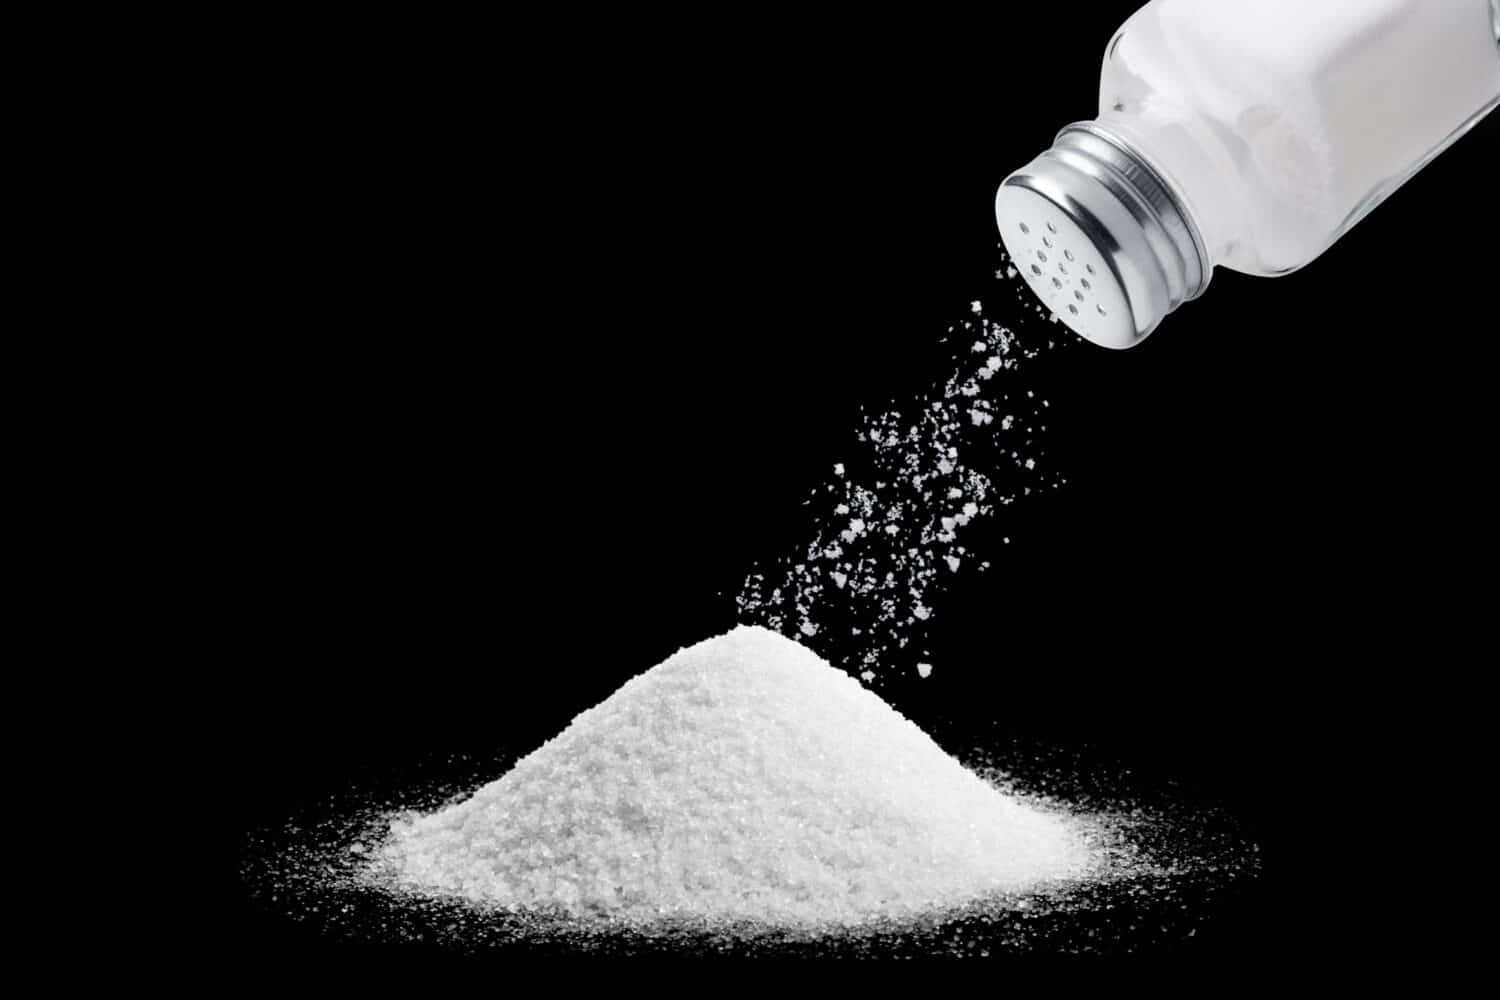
(1100, 237)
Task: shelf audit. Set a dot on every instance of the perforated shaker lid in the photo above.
(1100, 237)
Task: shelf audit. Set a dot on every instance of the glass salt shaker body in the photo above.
(1248, 135)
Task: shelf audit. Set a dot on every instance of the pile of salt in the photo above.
(741, 779)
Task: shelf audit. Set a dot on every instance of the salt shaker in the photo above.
(1247, 135)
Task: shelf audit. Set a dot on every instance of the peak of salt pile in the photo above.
(744, 778)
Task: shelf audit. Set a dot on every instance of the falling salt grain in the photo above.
(924, 670)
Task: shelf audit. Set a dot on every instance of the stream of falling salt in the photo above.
(890, 525)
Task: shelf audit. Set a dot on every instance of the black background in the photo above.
(555, 346)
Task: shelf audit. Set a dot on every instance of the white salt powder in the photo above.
(742, 779)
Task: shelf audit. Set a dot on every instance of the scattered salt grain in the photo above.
(924, 670)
